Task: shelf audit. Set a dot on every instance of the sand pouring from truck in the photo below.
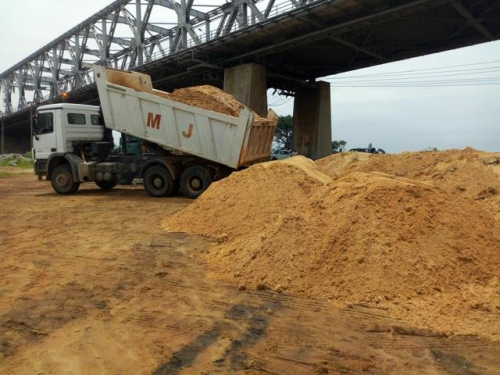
(189, 147)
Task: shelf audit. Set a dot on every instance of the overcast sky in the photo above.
(446, 100)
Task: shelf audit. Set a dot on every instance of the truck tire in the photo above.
(195, 180)
(61, 179)
(106, 185)
(158, 182)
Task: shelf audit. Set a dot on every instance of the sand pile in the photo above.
(248, 199)
(208, 97)
(469, 173)
(422, 253)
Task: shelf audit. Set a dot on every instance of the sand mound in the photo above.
(262, 187)
(469, 173)
(422, 253)
(208, 97)
(205, 96)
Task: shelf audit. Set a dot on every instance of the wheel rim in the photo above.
(62, 180)
(196, 183)
(158, 182)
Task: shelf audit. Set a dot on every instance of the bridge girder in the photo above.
(178, 39)
(124, 35)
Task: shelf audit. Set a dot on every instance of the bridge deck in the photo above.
(321, 38)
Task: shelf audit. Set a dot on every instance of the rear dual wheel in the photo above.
(195, 180)
(158, 182)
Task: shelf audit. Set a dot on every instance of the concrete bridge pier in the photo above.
(311, 114)
(248, 84)
(312, 130)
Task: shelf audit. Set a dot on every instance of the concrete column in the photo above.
(248, 84)
(312, 129)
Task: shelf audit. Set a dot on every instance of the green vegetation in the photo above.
(284, 133)
(338, 146)
(15, 160)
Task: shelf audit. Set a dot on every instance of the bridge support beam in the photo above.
(248, 84)
(312, 130)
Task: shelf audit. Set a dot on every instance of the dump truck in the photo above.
(188, 147)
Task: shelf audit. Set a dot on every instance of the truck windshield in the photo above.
(44, 123)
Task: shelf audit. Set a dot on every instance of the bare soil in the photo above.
(93, 284)
(414, 234)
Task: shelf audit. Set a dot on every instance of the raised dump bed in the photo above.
(130, 105)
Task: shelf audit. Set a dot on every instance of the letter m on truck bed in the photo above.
(153, 122)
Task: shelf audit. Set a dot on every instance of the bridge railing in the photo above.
(63, 65)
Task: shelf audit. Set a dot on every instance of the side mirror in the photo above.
(35, 127)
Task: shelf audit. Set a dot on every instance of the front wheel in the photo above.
(158, 182)
(195, 180)
(62, 182)
(106, 185)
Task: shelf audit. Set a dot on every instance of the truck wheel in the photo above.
(158, 182)
(106, 185)
(195, 180)
(62, 180)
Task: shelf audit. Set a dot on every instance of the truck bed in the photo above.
(130, 105)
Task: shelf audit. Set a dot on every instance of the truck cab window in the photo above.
(96, 120)
(44, 123)
(76, 119)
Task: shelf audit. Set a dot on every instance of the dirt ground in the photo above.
(92, 284)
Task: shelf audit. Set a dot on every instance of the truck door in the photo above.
(44, 137)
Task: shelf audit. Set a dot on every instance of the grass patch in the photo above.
(15, 160)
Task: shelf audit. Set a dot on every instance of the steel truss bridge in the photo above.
(186, 43)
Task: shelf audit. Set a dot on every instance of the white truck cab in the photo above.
(61, 133)
(58, 126)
